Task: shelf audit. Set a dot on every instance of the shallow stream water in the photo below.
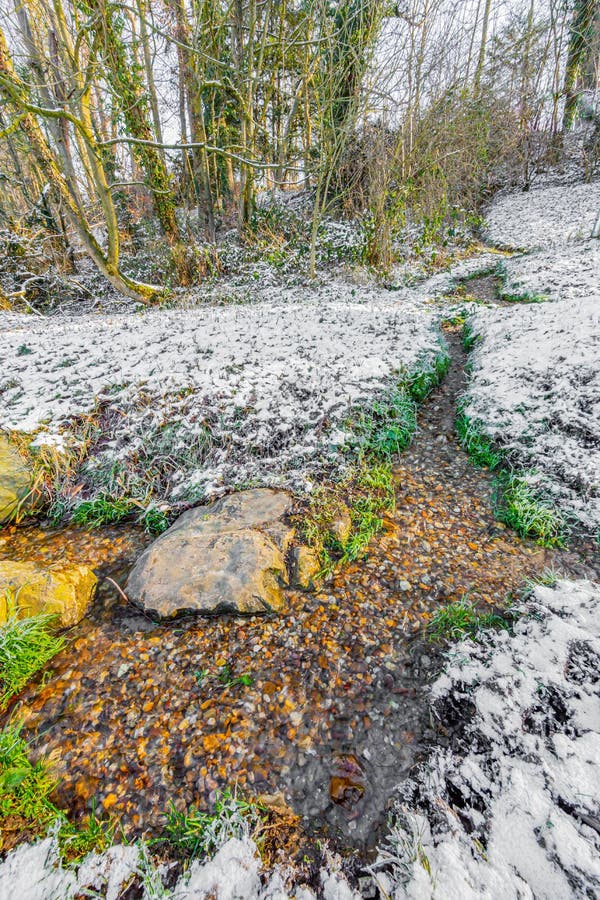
(137, 717)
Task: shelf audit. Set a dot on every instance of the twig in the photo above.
(120, 590)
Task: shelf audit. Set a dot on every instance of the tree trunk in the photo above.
(482, 48)
(130, 94)
(578, 56)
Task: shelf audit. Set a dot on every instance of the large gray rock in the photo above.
(228, 556)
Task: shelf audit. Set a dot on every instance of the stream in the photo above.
(334, 714)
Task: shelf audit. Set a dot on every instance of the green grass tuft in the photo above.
(93, 836)
(26, 807)
(477, 444)
(26, 646)
(518, 507)
(469, 338)
(524, 297)
(374, 482)
(104, 510)
(200, 834)
(463, 619)
(366, 523)
(154, 520)
(379, 432)
(423, 381)
(387, 427)
(25, 787)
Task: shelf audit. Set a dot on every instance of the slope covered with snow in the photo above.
(232, 393)
(573, 273)
(535, 387)
(510, 809)
(544, 217)
(535, 384)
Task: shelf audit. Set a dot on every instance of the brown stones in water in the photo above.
(227, 556)
(29, 589)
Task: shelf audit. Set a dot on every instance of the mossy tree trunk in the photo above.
(586, 15)
(125, 79)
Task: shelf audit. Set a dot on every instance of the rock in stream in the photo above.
(227, 556)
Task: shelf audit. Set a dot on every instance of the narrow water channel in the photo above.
(333, 714)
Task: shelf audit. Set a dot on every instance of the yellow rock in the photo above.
(66, 592)
(306, 568)
(341, 527)
(15, 481)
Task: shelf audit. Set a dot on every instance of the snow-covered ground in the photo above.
(535, 385)
(235, 872)
(508, 810)
(231, 393)
(544, 217)
(511, 809)
(536, 388)
(573, 273)
(223, 394)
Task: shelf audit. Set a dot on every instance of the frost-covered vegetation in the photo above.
(185, 405)
(535, 384)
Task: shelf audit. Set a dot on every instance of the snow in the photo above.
(510, 809)
(29, 872)
(544, 217)
(535, 384)
(240, 392)
(32, 872)
(233, 874)
(572, 274)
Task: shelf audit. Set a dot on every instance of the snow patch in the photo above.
(511, 808)
(33, 872)
(231, 394)
(545, 217)
(535, 386)
(571, 274)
